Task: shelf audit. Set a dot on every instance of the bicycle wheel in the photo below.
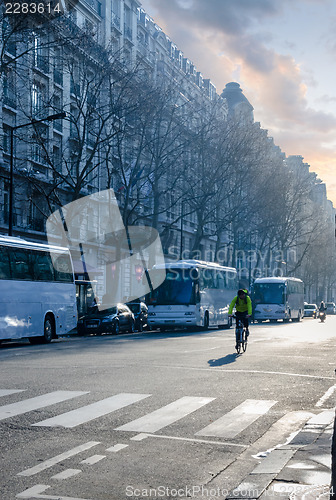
(244, 340)
(238, 340)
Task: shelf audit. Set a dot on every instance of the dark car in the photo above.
(140, 311)
(115, 319)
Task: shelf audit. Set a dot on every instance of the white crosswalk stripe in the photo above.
(238, 419)
(8, 392)
(92, 411)
(226, 427)
(167, 415)
(36, 403)
(59, 458)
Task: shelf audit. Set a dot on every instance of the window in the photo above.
(37, 93)
(62, 268)
(40, 53)
(6, 203)
(9, 85)
(5, 273)
(21, 265)
(6, 139)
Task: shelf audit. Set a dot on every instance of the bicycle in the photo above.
(241, 337)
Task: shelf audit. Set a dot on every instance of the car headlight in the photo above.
(189, 314)
(151, 314)
(107, 320)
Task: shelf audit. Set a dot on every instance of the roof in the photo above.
(179, 264)
(272, 279)
(14, 241)
(235, 97)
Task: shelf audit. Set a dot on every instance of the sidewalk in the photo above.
(300, 470)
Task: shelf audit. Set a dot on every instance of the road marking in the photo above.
(28, 405)
(326, 396)
(142, 436)
(323, 418)
(262, 372)
(167, 415)
(8, 392)
(117, 447)
(66, 474)
(238, 419)
(139, 437)
(203, 350)
(92, 411)
(35, 491)
(59, 458)
(93, 460)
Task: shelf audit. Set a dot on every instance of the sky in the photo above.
(283, 55)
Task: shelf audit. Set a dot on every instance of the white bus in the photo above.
(37, 298)
(278, 298)
(194, 293)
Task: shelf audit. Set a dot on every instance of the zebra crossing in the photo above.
(228, 426)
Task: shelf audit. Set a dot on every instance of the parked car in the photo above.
(140, 312)
(310, 310)
(115, 319)
(331, 307)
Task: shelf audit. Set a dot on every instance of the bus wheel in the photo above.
(206, 321)
(48, 330)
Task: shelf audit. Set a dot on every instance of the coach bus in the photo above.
(194, 293)
(37, 291)
(278, 298)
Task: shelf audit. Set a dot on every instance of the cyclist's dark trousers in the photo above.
(242, 316)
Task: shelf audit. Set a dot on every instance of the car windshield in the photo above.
(110, 310)
(309, 306)
(135, 308)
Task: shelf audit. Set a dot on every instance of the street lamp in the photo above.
(57, 116)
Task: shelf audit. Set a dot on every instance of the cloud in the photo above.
(225, 38)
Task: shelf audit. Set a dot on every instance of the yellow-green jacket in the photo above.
(241, 305)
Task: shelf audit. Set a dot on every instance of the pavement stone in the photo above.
(299, 470)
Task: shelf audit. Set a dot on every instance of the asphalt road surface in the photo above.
(152, 415)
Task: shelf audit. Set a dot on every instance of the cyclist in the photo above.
(243, 308)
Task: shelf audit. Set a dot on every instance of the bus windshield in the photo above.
(269, 293)
(177, 289)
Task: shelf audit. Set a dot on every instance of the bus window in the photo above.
(5, 273)
(21, 264)
(63, 268)
(43, 268)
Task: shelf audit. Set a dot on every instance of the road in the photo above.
(153, 415)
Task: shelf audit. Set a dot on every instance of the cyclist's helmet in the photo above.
(241, 292)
